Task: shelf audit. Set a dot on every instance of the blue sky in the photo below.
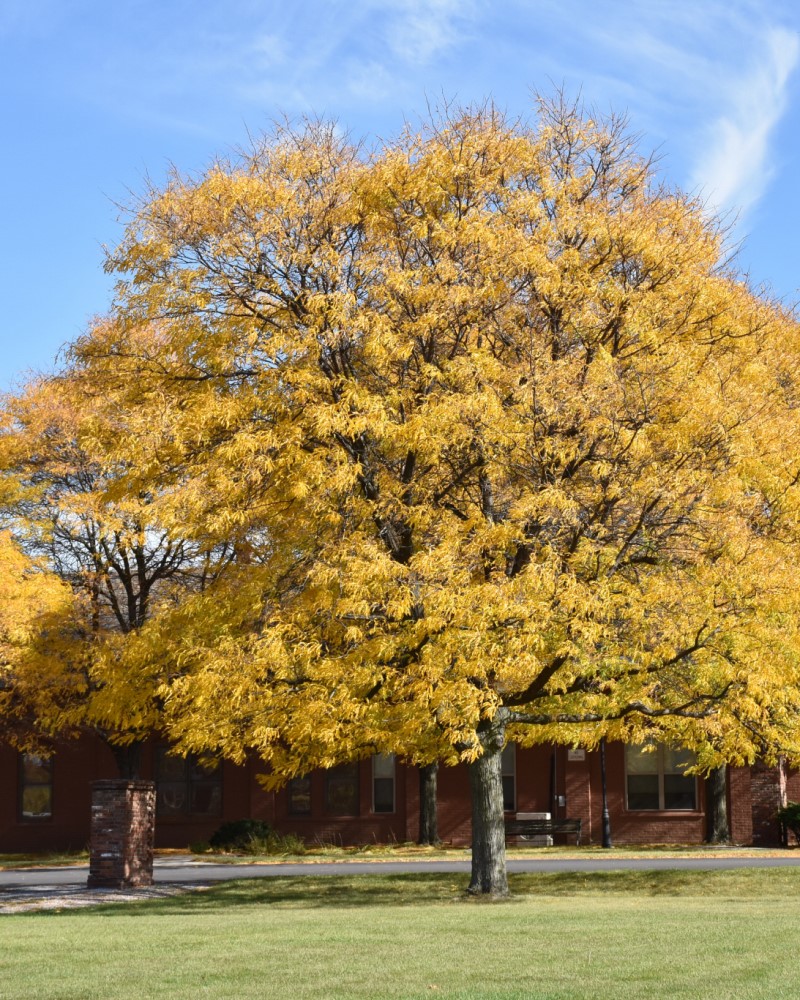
(97, 95)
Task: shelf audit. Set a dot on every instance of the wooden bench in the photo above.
(543, 828)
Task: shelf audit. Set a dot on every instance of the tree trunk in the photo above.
(128, 758)
(488, 828)
(428, 818)
(717, 806)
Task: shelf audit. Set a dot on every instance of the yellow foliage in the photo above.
(30, 597)
(498, 439)
(90, 565)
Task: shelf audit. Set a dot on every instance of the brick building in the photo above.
(45, 803)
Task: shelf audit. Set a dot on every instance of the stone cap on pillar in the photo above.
(138, 784)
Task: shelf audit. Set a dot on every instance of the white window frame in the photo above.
(658, 755)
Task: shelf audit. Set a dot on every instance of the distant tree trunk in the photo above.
(428, 818)
(488, 829)
(129, 759)
(717, 806)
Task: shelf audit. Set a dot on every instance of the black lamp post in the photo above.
(604, 793)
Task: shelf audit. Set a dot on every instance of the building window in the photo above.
(300, 796)
(509, 768)
(35, 787)
(341, 790)
(656, 778)
(185, 787)
(383, 783)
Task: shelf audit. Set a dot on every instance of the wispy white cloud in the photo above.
(737, 166)
(707, 81)
(271, 49)
(361, 53)
(369, 81)
(710, 80)
(423, 29)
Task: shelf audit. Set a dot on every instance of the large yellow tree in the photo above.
(507, 442)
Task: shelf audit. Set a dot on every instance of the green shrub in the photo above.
(276, 843)
(789, 816)
(252, 836)
(234, 836)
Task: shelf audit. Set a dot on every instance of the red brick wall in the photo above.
(77, 764)
(368, 827)
(411, 803)
(534, 791)
(792, 786)
(581, 790)
(768, 786)
(455, 812)
(239, 788)
(644, 826)
(740, 812)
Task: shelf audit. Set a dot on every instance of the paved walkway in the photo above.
(65, 887)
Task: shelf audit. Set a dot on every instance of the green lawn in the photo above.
(413, 852)
(408, 852)
(43, 860)
(602, 935)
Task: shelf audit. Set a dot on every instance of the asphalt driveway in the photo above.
(59, 888)
(186, 870)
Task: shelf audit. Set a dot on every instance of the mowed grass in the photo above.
(415, 852)
(402, 852)
(727, 934)
(43, 860)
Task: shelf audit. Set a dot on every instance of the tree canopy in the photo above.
(502, 442)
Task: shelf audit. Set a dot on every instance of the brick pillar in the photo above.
(767, 795)
(123, 824)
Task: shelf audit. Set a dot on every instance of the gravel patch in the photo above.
(66, 897)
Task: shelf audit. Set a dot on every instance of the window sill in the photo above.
(666, 813)
(189, 818)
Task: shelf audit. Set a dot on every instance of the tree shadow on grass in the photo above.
(436, 889)
(298, 892)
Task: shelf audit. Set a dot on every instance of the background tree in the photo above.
(428, 804)
(37, 616)
(119, 565)
(718, 826)
(510, 440)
